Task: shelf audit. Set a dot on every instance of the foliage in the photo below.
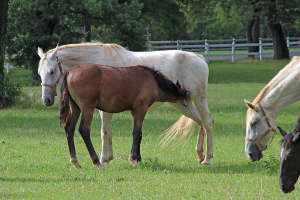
(9, 92)
(38, 23)
(223, 19)
(45, 23)
(121, 23)
(164, 20)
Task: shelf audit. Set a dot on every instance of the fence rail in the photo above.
(235, 47)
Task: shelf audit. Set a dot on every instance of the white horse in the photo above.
(281, 91)
(186, 67)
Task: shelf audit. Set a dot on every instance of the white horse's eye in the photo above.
(51, 72)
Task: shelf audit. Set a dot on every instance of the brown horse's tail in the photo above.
(64, 101)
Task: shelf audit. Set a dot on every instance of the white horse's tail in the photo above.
(178, 132)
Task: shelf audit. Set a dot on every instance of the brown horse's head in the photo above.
(183, 93)
(289, 160)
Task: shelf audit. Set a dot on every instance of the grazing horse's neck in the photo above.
(282, 90)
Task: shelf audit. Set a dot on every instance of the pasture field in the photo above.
(35, 164)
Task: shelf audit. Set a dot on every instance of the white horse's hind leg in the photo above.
(207, 120)
(199, 145)
(106, 136)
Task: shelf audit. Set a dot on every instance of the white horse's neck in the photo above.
(105, 54)
(282, 90)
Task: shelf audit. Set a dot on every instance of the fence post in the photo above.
(260, 49)
(149, 46)
(288, 42)
(178, 44)
(206, 47)
(233, 50)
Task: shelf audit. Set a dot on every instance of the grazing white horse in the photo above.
(281, 91)
(186, 67)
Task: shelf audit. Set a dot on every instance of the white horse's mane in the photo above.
(107, 49)
(277, 79)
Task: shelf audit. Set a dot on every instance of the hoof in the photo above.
(75, 163)
(133, 162)
(99, 165)
(205, 162)
(105, 161)
(201, 159)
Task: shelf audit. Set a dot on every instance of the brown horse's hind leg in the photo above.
(84, 129)
(69, 130)
(138, 118)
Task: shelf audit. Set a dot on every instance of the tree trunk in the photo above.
(253, 32)
(87, 29)
(3, 18)
(280, 47)
(253, 28)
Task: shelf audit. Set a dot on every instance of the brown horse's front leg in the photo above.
(69, 130)
(84, 130)
(138, 117)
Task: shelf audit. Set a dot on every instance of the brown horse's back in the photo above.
(112, 89)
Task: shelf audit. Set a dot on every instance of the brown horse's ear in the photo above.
(296, 137)
(178, 84)
(283, 133)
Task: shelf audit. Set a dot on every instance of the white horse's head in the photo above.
(259, 130)
(50, 74)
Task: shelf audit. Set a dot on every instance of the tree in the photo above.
(38, 23)
(280, 47)
(3, 18)
(45, 23)
(164, 20)
(280, 14)
(253, 25)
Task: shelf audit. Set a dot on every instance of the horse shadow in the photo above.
(154, 165)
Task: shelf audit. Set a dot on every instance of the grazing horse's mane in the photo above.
(166, 84)
(274, 81)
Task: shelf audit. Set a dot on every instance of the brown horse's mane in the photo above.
(166, 84)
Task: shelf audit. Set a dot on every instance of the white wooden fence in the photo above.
(226, 48)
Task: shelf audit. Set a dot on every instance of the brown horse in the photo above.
(112, 89)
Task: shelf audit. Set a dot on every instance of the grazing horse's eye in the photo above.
(254, 123)
(51, 72)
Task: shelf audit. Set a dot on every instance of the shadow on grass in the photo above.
(220, 168)
(46, 180)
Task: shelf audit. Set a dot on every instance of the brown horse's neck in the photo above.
(168, 91)
(164, 96)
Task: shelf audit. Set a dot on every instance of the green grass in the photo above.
(35, 162)
(20, 76)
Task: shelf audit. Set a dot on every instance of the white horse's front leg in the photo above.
(106, 136)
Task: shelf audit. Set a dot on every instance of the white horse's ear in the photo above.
(40, 52)
(250, 105)
(52, 55)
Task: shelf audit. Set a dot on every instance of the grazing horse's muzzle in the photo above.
(287, 189)
(48, 102)
(252, 152)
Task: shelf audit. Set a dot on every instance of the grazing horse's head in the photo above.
(50, 73)
(289, 160)
(259, 130)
